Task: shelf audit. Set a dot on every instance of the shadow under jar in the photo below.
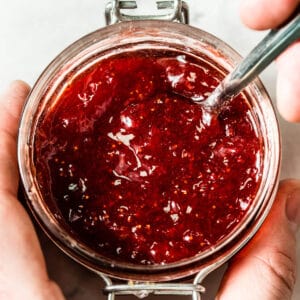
(124, 173)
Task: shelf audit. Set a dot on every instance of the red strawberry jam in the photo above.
(127, 161)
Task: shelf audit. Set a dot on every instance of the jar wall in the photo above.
(80, 56)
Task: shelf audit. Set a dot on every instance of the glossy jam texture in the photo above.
(128, 161)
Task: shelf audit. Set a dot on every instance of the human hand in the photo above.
(265, 14)
(266, 267)
(23, 272)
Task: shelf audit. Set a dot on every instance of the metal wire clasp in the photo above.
(127, 10)
(144, 289)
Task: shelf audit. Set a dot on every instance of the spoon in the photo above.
(276, 41)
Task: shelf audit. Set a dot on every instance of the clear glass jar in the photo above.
(131, 36)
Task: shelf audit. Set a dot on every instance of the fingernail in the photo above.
(293, 207)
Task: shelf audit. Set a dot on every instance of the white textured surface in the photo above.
(33, 32)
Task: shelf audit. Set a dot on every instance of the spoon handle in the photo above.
(276, 41)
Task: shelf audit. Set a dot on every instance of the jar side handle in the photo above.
(115, 11)
(144, 289)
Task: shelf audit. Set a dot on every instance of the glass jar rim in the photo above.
(137, 33)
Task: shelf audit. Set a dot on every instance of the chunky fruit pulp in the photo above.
(127, 161)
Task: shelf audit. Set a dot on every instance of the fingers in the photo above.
(288, 83)
(11, 103)
(23, 272)
(265, 268)
(265, 14)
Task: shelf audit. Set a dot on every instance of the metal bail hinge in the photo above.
(126, 10)
(144, 289)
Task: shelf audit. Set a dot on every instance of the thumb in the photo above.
(266, 267)
(23, 272)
